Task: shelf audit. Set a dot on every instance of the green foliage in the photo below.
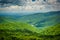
(14, 26)
(53, 30)
(23, 31)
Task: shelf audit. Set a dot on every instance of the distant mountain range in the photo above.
(42, 19)
(37, 19)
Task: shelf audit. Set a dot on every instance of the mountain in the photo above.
(27, 27)
(23, 31)
(42, 19)
(38, 19)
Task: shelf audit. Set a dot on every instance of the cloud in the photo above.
(5, 3)
(21, 5)
(23, 8)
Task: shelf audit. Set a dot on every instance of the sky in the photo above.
(29, 5)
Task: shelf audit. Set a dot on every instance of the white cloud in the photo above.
(23, 8)
(51, 5)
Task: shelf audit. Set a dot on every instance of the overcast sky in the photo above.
(37, 6)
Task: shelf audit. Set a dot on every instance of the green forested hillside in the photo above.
(30, 27)
(17, 31)
(53, 30)
(24, 31)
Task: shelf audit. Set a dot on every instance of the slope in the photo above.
(53, 30)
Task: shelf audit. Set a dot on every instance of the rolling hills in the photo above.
(37, 19)
(39, 26)
(24, 31)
